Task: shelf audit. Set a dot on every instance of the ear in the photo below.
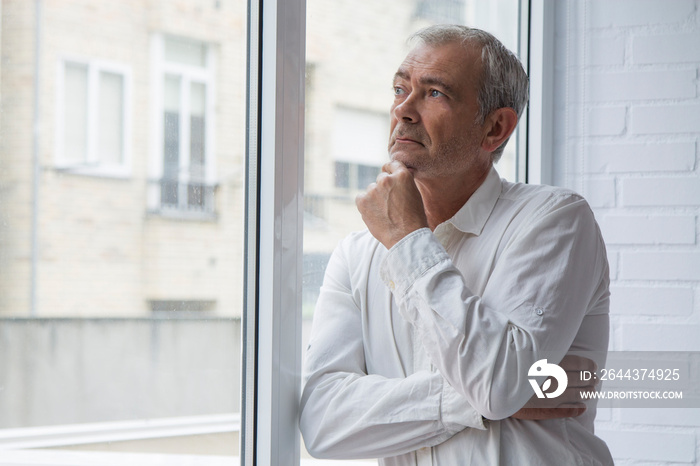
(498, 127)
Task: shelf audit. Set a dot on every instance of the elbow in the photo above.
(316, 439)
(314, 449)
(496, 412)
(496, 405)
(318, 447)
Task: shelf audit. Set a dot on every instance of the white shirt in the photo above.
(411, 347)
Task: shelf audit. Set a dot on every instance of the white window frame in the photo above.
(189, 74)
(271, 366)
(93, 165)
(540, 115)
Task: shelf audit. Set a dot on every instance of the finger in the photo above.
(575, 366)
(382, 175)
(573, 395)
(393, 167)
(575, 363)
(572, 410)
(539, 414)
(575, 380)
(361, 197)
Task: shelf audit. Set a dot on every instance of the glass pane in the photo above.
(171, 142)
(197, 188)
(111, 119)
(75, 107)
(120, 305)
(342, 175)
(186, 52)
(354, 47)
(360, 136)
(366, 174)
(197, 134)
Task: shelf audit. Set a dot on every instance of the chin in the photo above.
(401, 156)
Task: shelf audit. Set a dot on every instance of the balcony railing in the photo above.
(173, 196)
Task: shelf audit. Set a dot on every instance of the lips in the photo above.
(409, 135)
(407, 140)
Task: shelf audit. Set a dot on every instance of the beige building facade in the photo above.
(135, 203)
(129, 219)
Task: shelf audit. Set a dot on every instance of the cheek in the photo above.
(392, 122)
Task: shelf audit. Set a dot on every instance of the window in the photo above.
(185, 168)
(441, 11)
(119, 331)
(93, 117)
(359, 141)
(355, 176)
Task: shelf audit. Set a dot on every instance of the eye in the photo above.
(398, 91)
(435, 93)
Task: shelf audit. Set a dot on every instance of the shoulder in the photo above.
(533, 192)
(538, 200)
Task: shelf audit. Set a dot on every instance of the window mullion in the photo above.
(540, 118)
(275, 307)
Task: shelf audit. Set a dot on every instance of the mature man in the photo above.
(427, 323)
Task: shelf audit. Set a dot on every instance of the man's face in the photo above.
(434, 128)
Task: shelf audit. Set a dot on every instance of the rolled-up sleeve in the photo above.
(537, 296)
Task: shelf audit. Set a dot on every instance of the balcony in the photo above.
(171, 197)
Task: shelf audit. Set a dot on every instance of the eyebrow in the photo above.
(425, 80)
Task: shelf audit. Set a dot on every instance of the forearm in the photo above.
(346, 416)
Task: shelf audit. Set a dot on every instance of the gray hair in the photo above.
(504, 82)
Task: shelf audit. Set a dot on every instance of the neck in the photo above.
(442, 198)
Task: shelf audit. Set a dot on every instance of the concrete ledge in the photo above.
(80, 434)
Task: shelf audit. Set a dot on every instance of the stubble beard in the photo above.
(442, 160)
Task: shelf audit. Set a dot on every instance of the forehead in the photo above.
(453, 62)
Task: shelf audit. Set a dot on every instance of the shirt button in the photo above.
(539, 311)
(392, 285)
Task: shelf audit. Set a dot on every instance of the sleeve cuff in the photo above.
(456, 412)
(409, 259)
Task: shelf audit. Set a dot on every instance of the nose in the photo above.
(406, 110)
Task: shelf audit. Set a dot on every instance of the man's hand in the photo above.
(568, 404)
(392, 207)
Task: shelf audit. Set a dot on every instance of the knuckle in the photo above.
(403, 174)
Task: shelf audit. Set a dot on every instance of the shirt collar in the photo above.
(472, 217)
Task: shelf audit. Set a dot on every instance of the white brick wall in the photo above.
(628, 72)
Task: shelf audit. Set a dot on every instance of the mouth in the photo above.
(402, 140)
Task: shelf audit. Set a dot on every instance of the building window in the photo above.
(441, 11)
(185, 169)
(358, 160)
(355, 176)
(93, 112)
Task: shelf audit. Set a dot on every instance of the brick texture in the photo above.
(627, 126)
